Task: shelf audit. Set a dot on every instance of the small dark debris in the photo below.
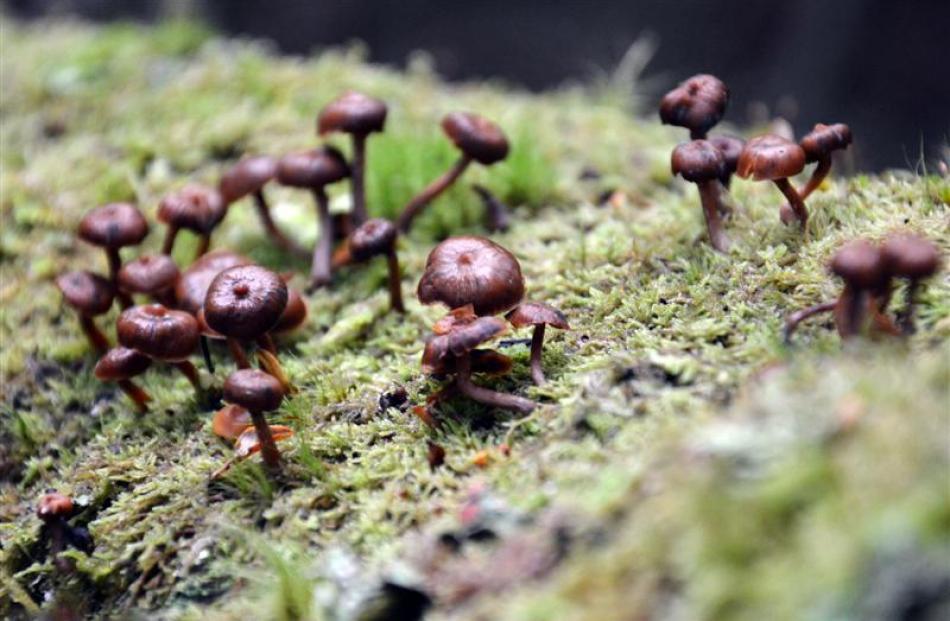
(589, 173)
(396, 398)
(436, 455)
(396, 603)
(513, 342)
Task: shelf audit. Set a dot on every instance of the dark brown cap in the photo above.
(823, 139)
(121, 363)
(54, 506)
(472, 270)
(194, 207)
(192, 287)
(148, 274)
(770, 157)
(89, 293)
(352, 113)
(253, 389)
(245, 302)
(157, 332)
(697, 161)
(860, 264)
(910, 256)
(373, 237)
(295, 313)
(461, 340)
(535, 314)
(113, 226)
(476, 137)
(230, 421)
(696, 104)
(731, 148)
(312, 169)
(246, 177)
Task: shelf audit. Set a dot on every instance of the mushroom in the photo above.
(696, 104)
(472, 270)
(538, 315)
(120, 365)
(358, 115)
(773, 158)
(197, 208)
(53, 510)
(153, 275)
(249, 442)
(295, 313)
(818, 145)
(374, 238)
(912, 257)
(731, 148)
(161, 334)
(314, 170)
(702, 163)
(257, 392)
(496, 212)
(192, 286)
(112, 227)
(230, 421)
(478, 139)
(91, 295)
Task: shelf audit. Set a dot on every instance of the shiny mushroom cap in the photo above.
(731, 148)
(770, 157)
(823, 139)
(254, 390)
(697, 161)
(54, 506)
(149, 274)
(157, 332)
(88, 293)
(295, 313)
(194, 207)
(472, 270)
(860, 264)
(115, 225)
(536, 314)
(374, 237)
(192, 287)
(312, 169)
(910, 256)
(696, 104)
(459, 341)
(476, 137)
(246, 177)
(352, 113)
(245, 302)
(121, 363)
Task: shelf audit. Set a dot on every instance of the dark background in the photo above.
(881, 66)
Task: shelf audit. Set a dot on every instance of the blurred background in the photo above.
(879, 65)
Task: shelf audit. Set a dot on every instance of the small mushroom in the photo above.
(120, 365)
(314, 170)
(697, 104)
(496, 212)
(538, 315)
(192, 288)
(773, 158)
(912, 257)
(230, 421)
(861, 265)
(257, 392)
(53, 510)
(702, 163)
(161, 334)
(152, 275)
(731, 148)
(112, 227)
(91, 295)
(478, 139)
(374, 238)
(196, 208)
(472, 270)
(295, 313)
(818, 145)
(358, 115)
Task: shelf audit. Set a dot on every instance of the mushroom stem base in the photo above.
(395, 284)
(136, 393)
(463, 381)
(537, 343)
(710, 197)
(269, 452)
(96, 338)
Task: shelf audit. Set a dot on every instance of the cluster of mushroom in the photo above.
(698, 104)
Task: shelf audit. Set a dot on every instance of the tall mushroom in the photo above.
(912, 257)
(257, 392)
(120, 365)
(478, 139)
(696, 104)
(91, 295)
(700, 162)
(374, 238)
(818, 145)
(162, 334)
(196, 208)
(152, 275)
(538, 315)
(112, 227)
(773, 158)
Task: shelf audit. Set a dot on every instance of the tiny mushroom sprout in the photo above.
(700, 162)
(697, 104)
(257, 392)
(914, 258)
(478, 139)
(91, 295)
(161, 334)
(731, 148)
(538, 315)
(120, 365)
(54, 509)
(358, 115)
(773, 158)
(818, 145)
(194, 207)
(112, 227)
(314, 170)
(152, 275)
(373, 238)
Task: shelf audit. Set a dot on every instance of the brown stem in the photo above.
(96, 338)
(537, 342)
(357, 179)
(792, 321)
(265, 341)
(905, 318)
(709, 195)
(237, 352)
(342, 226)
(188, 370)
(115, 264)
(282, 241)
(794, 200)
(695, 134)
(395, 284)
(496, 212)
(817, 176)
(270, 364)
(136, 393)
(320, 272)
(204, 244)
(414, 207)
(170, 234)
(463, 381)
(206, 352)
(850, 311)
(269, 451)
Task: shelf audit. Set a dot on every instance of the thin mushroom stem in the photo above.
(170, 234)
(496, 212)
(115, 264)
(237, 352)
(414, 207)
(709, 196)
(188, 370)
(136, 393)
(792, 321)
(320, 270)
(272, 366)
(270, 227)
(817, 176)
(204, 245)
(269, 451)
(395, 284)
(265, 341)
(794, 200)
(96, 338)
(206, 353)
(850, 311)
(537, 342)
(463, 381)
(357, 179)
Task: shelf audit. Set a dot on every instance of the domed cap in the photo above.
(352, 113)
(860, 264)
(476, 137)
(295, 313)
(113, 226)
(194, 207)
(697, 160)
(121, 363)
(535, 314)
(910, 256)
(770, 157)
(472, 270)
(461, 340)
(246, 177)
(696, 104)
(157, 332)
(148, 274)
(824, 139)
(89, 293)
(230, 421)
(373, 237)
(731, 148)
(312, 169)
(245, 302)
(192, 287)
(54, 505)
(254, 390)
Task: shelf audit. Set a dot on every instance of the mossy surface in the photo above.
(698, 467)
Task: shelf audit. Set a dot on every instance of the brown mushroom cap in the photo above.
(121, 363)
(245, 302)
(537, 313)
(731, 148)
(455, 318)
(461, 340)
(476, 137)
(157, 332)
(194, 207)
(910, 256)
(230, 421)
(373, 237)
(697, 161)
(54, 505)
(89, 293)
(696, 104)
(352, 113)
(254, 390)
(113, 226)
(312, 169)
(149, 274)
(824, 139)
(770, 157)
(295, 313)
(192, 287)
(246, 177)
(860, 263)
(472, 270)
